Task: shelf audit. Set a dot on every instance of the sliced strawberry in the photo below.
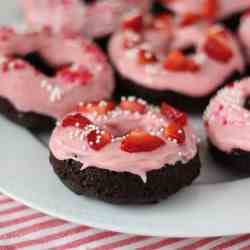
(174, 114)
(209, 8)
(97, 139)
(76, 120)
(216, 47)
(101, 108)
(133, 106)
(141, 141)
(174, 132)
(162, 21)
(177, 61)
(13, 64)
(189, 19)
(146, 57)
(75, 75)
(133, 22)
(247, 14)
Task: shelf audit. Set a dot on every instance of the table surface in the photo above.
(24, 228)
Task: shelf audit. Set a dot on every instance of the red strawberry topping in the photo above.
(216, 47)
(141, 141)
(209, 8)
(76, 75)
(101, 108)
(174, 114)
(146, 57)
(15, 64)
(97, 139)
(134, 23)
(76, 120)
(133, 106)
(189, 19)
(174, 132)
(177, 61)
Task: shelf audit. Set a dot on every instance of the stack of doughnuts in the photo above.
(120, 131)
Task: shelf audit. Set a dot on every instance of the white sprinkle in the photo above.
(200, 58)
(55, 94)
(3, 60)
(44, 83)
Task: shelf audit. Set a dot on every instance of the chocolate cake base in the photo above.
(29, 120)
(126, 87)
(126, 188)
(233, 22)
(237, 160)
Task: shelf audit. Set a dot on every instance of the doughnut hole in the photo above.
(190, 50)
(247, 103)
(40, 63)
(158, 8)
(88, 1)
(232, 22)
(125, 123)
(120, 128)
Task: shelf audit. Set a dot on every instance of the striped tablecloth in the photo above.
(24, 228)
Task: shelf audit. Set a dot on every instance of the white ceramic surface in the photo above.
(216, 200)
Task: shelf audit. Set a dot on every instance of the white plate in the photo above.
(204, 209)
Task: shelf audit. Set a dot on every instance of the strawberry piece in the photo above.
(209, 8)
(177, 61)
(98, 139)
(216, 47)
(13, 64)
(174, 114)
(79, 75)
(133, 106)
(76, 120)
(101, 108)
(134, 23)
(189, 19)
(174, 132)
(141, 141)
(247, 14)
(146, 57)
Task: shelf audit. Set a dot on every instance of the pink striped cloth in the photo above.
(24, 228)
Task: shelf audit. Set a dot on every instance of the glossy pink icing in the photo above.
(71, 143)
(227, 121)
(226, 7)
(196, 84)
(30, 90)
(244, 34)
(94, 20)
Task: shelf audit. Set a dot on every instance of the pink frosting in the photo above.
(227, 121)
(71, 143)
(30, 90)
(226, 7)
(97, 19)
(244, 33)
(197, 84)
